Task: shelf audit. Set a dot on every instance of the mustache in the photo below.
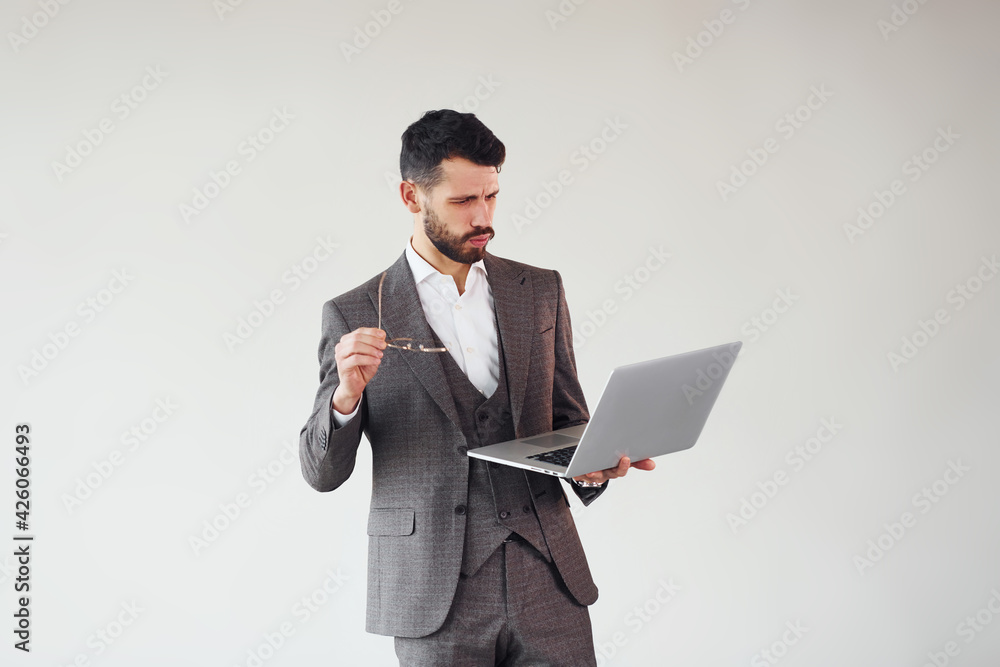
(488, 230)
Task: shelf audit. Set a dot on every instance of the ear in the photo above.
(408, 193)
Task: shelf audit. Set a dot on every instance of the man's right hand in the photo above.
(358, 355)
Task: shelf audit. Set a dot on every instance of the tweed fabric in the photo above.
(420, 470)
(515, 612)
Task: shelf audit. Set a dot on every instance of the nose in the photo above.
(481, 217)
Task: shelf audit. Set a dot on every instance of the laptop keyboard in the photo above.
(560, 457)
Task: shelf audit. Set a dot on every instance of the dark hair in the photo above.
(442, 135)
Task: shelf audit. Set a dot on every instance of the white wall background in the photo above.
(683, 126)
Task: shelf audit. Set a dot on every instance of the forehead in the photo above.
(461, 175)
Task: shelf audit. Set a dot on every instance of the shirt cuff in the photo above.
(340, 419)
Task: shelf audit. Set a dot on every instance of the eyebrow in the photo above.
(464, 197)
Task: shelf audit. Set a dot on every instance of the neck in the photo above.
(458, 271)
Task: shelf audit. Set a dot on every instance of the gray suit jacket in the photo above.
(420, 473)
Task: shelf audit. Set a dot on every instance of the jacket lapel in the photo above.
(513, 302)
(403, 317)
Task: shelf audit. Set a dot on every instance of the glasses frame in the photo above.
(402, 343)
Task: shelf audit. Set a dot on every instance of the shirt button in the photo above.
(460, 510)
(458, 307)
(527, 510)
(504, 515)
(470, 349)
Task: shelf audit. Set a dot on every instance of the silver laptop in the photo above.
(647, 409)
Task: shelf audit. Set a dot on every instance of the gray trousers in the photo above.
(515, 611)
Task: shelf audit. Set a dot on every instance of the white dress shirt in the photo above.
(464, 323)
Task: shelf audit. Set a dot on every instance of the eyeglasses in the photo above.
(410, 344)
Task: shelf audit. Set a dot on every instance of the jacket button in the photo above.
(494, 464)
(527, 510)
(483, 417)
(460, 509)
(504, 515)
(462, 449)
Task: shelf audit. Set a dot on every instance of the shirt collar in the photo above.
(421, 268)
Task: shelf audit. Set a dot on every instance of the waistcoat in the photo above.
(500, 501)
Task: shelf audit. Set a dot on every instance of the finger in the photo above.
(356, 360)
(362, 336)
(349, 346)
(645, 464)
(623, 466)
(370, 331)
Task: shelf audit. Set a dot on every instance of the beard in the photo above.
(451, 246)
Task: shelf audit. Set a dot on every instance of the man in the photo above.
(469, 563)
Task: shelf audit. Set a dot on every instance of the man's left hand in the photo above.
(624, 464)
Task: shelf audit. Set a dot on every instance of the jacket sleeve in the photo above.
(327, 453)
(569, 407)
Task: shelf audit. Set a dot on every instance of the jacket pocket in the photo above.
(391, 522)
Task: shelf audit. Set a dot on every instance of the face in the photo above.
(457, 214)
